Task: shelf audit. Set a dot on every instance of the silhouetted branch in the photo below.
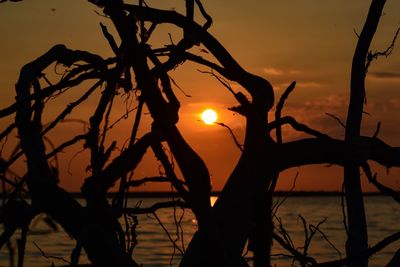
(7, 131)
(66, 144)
(6, 235)
(48, 91)
(378, 127)
(374, 56)
(202, 61)
(21, 243)
(205, 15)
(71, 106)
(278, 111)
(297, 126)
(167, 233)
(169, 171)
(137, 122)
(337, 119)
(45, 193)
(161, 205)
(232, 135)
(8, 181)
(121, 165)
(382, 188)
(259, 88)
(49, 257)
(343, 209)
(327, 240)
(110, 39)
(333, 151)
(357, 240)
(160, 179)
(276, 206)
(395, 261)
(296, 254)
(365, 254)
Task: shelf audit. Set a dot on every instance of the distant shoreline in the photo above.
(163, 194)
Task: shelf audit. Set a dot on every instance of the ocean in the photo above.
(46, 247)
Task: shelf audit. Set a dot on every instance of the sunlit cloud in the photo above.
(278, 72)
(273, 71)
(310, 85)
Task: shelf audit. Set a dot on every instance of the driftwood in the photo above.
(243, 212)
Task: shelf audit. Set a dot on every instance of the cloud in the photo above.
(299, 84)
(273, 71)
(310, 85)
(384, 75)
(279, 72)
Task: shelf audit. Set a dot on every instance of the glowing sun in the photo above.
(209, 116)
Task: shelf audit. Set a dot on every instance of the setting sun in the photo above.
(209, 116)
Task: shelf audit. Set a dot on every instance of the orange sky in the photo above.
(311, 42)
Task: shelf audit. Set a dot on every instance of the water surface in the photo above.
(155, 248)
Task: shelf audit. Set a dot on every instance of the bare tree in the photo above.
(243, 211)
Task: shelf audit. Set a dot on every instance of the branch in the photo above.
(382, 188)
(110, 39)
(395, 261)
(50, 257)
(7, 131)
(240, 97)
(161, 205)
(339, 152)
(259, 88)
(163, 158)
(159, 179)
(204, 62)
(299, 256)
(48, 196)
(366, 254)
(232, 134)
(66, 144)
(121, 165)
(279, 108)
(48, 91)
(374, 56)
(15, 185)
(337, 119)
(205, 15)
(71, 106)
(297, 126)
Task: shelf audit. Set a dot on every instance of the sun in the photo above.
(209, 116)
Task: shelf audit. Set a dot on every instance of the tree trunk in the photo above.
(358, 237)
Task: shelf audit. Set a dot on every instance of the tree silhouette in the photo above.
(243, 212)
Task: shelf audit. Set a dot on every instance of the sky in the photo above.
(307, 41)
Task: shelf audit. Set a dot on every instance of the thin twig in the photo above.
(297, 126)
(167, 233)
(279, 108)
(382, 188)
(337, 119)
(50, 257)
(374, 56)
(238, 145)
(157, 206)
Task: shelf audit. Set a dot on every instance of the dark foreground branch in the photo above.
(366, 254)
(338, 152)
(157, 206)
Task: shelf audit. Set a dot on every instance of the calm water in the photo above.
(155, 248)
